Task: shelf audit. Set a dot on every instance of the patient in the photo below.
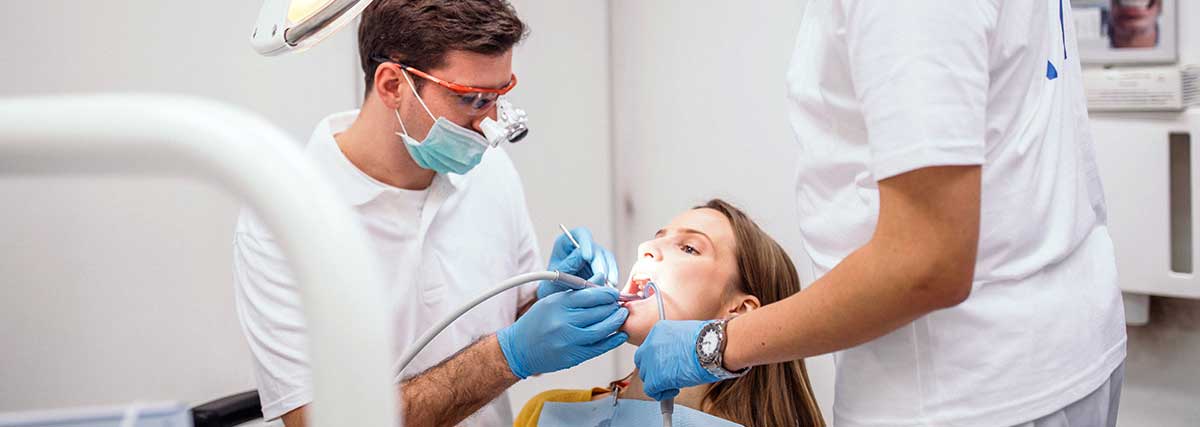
(710, 262)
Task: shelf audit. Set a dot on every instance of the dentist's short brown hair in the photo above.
(421, 32)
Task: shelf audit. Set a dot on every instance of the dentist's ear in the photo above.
(745, 304)
(390, 85)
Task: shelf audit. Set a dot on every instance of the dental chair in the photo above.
(189, 137)
(234, 410)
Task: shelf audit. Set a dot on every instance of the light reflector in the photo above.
(295, 25)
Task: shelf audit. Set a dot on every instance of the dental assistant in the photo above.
(951, 205)
(446, 218)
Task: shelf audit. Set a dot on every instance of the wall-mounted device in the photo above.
(1164, 88)
(1151, 175)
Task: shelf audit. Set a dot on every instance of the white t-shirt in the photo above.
(450, 242)
(880, 88)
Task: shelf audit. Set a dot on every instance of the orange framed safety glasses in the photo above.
(477, 98)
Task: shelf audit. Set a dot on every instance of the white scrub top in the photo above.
(880, 88)
(446, 244)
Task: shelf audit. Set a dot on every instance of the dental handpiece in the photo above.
(624, 297)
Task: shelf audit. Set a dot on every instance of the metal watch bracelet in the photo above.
(714, 362)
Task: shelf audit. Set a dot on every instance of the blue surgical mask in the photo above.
(448, 148)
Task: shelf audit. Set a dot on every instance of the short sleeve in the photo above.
(268, 306)
(920, 72)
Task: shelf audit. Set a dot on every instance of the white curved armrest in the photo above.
(348, 324)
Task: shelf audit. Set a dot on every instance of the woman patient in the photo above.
(710, 262)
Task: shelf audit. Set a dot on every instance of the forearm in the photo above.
(447, 393)
(296, 418)
(861, 299)
(920, 259)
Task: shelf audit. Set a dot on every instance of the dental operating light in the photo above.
(295, 25)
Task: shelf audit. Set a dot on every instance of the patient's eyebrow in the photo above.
(663, 232)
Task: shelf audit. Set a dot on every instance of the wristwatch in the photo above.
(710, 347)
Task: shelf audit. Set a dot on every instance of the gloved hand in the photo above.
(590, 261)
(667, 360)
(563, 330)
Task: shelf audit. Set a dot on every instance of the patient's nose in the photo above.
(649, 250)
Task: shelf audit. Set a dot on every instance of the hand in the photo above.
(590, 261)
(563, 330)
(667, 360)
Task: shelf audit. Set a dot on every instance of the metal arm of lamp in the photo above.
(295, 25)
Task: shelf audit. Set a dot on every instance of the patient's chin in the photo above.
(638, 327)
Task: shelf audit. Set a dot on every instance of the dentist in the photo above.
(950, 202)
(446, 218)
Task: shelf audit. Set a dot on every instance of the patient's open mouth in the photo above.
(637, 285)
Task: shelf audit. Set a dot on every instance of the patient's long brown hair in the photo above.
(771, 395)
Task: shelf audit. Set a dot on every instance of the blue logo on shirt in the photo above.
(1051, 72)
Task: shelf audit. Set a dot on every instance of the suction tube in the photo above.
(667, 406)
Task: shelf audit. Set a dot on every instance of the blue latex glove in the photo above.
(590, 261)
(667, 360)
(563, 330)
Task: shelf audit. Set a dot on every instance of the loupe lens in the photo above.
(518, 134)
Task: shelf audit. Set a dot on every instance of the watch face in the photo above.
(709, 343)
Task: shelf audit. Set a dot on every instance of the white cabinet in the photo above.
(1151, 172)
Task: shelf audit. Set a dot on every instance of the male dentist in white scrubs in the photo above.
(950, 202)
(446, 220)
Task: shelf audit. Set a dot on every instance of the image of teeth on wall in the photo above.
(1122, 24)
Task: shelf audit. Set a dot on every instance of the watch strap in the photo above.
(716, 365)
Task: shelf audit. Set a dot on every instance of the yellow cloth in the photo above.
(533, 408)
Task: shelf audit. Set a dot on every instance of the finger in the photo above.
(606, 345)
(599, 266)
(604, 328)
(591, 297)
(588, 317)
(650, 385)
(663, 395)
(584, 237)
(562, 247)
(550, 287)
(573, 264)
(614, 271)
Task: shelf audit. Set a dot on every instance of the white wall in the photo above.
(119, 288)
